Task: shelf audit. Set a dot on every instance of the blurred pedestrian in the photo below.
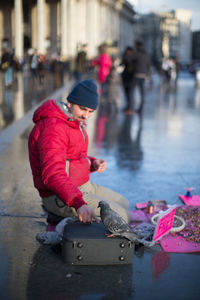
(113, 87)
(104, 63)
(169, 70)
(178, 68)
(81, 63)
(55, 69)
(127, 79)
(41, 68)
(142, 70)
(7, 67)
(34, 64)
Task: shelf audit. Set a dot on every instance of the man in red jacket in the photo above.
(60, 165)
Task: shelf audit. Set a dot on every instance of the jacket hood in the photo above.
(49, 109)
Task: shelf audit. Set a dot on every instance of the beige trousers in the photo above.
(92, 194)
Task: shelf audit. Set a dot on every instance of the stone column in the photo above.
(41, 26)
(71, 27)
(63, 37)
(1, 31)
(18, 104)
(165, 45)
(19, 37)
(34, 34)
(81, 33)
(92, 26)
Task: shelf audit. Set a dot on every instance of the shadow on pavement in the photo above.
(50, 278)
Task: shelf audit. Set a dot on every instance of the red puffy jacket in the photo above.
(54, 142)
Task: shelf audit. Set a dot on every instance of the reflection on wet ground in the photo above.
(148, 149)
(153, 156)
(24, 94)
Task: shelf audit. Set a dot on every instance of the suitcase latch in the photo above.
(79, 244)
(122, 245)
(121, 258)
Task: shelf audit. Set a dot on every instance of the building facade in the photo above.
(153, 36)
(60, 26)
(185, 35)
(196, 46)
(168, 34)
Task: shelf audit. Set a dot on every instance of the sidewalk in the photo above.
(155, 156)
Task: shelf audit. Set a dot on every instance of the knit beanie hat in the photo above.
(84, 94)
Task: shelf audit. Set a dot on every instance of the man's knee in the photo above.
(57, 207)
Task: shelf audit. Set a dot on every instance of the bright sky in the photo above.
(145, 6)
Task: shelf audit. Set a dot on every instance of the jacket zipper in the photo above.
(67, 160)
(81, 129)
(67, 167)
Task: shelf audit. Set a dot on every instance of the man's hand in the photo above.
(99, 165)
(86, 214)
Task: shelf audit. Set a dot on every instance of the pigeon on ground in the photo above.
(115, 223)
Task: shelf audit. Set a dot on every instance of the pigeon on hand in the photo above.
(115, 223)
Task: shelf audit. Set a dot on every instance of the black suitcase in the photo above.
(87, 244)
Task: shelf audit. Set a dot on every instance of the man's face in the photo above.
(79, 112)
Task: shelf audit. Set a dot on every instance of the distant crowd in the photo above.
(130, 70)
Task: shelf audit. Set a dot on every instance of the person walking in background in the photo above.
(41, 68)
(166, 72)
(104, 63)
(113, 87)
(169, 70)
(7, 67)
(178, 68)
(127, 79)
(55, 69)
(142, 69)
(81, 63)
(34, 65)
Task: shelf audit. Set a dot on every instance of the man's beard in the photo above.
(79, 118)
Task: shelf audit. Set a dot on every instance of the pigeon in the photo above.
(115, 223)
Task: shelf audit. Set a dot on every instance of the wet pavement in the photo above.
(153, 156)
(25, 93)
